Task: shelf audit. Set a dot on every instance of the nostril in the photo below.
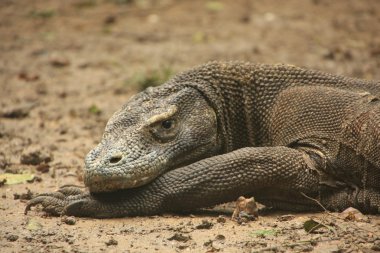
(115, 158)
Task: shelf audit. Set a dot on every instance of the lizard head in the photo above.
(157, 130)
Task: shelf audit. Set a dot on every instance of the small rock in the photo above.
(221, 219)
(28, 77)
(70, 240)
(244, 217)
(207, 243)
(245, 207)
(35, 155)
(111, 242)
(220, 237)
(376, 246)
(2, 182)
(216, 245)
(28, 238)
(17, 111)
(179, 237)
(182, 246)
(204, 225)
(109, 20)
(43, 167)
(23, 196)
(69, 220)
(12, 238)
(59, 63)
(352, 214)
(34, 179)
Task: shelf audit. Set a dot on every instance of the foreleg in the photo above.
(205, 183)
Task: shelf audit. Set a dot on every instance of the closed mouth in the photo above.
(109, 178)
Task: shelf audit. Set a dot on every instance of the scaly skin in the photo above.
(228, 129)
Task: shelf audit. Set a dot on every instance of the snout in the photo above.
(102, 157)
(115, 170)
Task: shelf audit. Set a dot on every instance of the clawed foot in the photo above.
(68, 200)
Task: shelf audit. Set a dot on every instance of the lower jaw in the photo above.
(110, 184)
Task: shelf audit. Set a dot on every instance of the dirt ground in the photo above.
(66, 66)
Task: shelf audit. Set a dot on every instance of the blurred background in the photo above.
(67, 65)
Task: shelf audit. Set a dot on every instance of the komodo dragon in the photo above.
(283, 134)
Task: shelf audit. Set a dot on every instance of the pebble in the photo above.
(221, 219)
(204, 225)
(376, 246)
(12, 238)
(111, 242)
(69, 220)
(35, 155)
(179, 237)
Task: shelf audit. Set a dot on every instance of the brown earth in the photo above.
(66, 66)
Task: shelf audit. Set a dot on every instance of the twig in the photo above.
(315, 200)
(336, 216)
(324, 218)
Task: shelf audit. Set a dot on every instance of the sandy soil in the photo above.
(66, 66)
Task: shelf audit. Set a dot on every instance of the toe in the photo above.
(51, 205)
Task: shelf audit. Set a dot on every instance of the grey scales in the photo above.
(283, 134)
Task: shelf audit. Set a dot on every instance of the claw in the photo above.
(55, 202)
(70, 200)
(50, 204)
(33, 202)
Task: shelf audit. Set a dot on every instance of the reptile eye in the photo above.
(167, 124)
(165, 130)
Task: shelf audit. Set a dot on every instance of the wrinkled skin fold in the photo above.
(227, 129)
